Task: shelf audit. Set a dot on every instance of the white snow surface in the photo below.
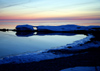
(24, 27)
(66, 28)
(30, 57)
(57, 28)
(75, 45)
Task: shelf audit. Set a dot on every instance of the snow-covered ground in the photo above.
(67, 28)
(56, 28)
(24, 27)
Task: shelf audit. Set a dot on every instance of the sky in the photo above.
(50, 9)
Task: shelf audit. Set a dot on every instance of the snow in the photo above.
(78, 42)
(24, 27)
(30, 57)
(82, 68)
(56, 28)
(66, 28)
(75, 44)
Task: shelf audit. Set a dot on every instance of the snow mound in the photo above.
(30, 57)
(67, 28)
(24, 28)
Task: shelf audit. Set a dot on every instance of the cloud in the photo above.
(6, 4)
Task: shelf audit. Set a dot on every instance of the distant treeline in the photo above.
(7, 29)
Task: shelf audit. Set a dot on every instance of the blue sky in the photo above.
(51, 9)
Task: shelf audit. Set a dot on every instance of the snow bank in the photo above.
(67, 28)
(58, 28)
(30, 57)
(74, 45)
(24, 27)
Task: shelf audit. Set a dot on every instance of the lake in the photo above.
(14, 43)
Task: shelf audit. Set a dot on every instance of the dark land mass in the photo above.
(92, 58)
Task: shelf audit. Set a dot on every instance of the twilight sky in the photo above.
(49, 9)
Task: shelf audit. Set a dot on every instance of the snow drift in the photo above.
(24, 28)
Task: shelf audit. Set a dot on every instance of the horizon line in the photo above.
(50, 19)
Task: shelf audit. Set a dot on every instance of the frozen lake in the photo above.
(12, 44)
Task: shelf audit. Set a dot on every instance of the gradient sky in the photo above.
(49, 9)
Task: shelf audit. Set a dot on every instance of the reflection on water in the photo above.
(10, 44)
(27, 34)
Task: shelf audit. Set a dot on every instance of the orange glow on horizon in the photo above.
(67, 18)
(36, 17)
